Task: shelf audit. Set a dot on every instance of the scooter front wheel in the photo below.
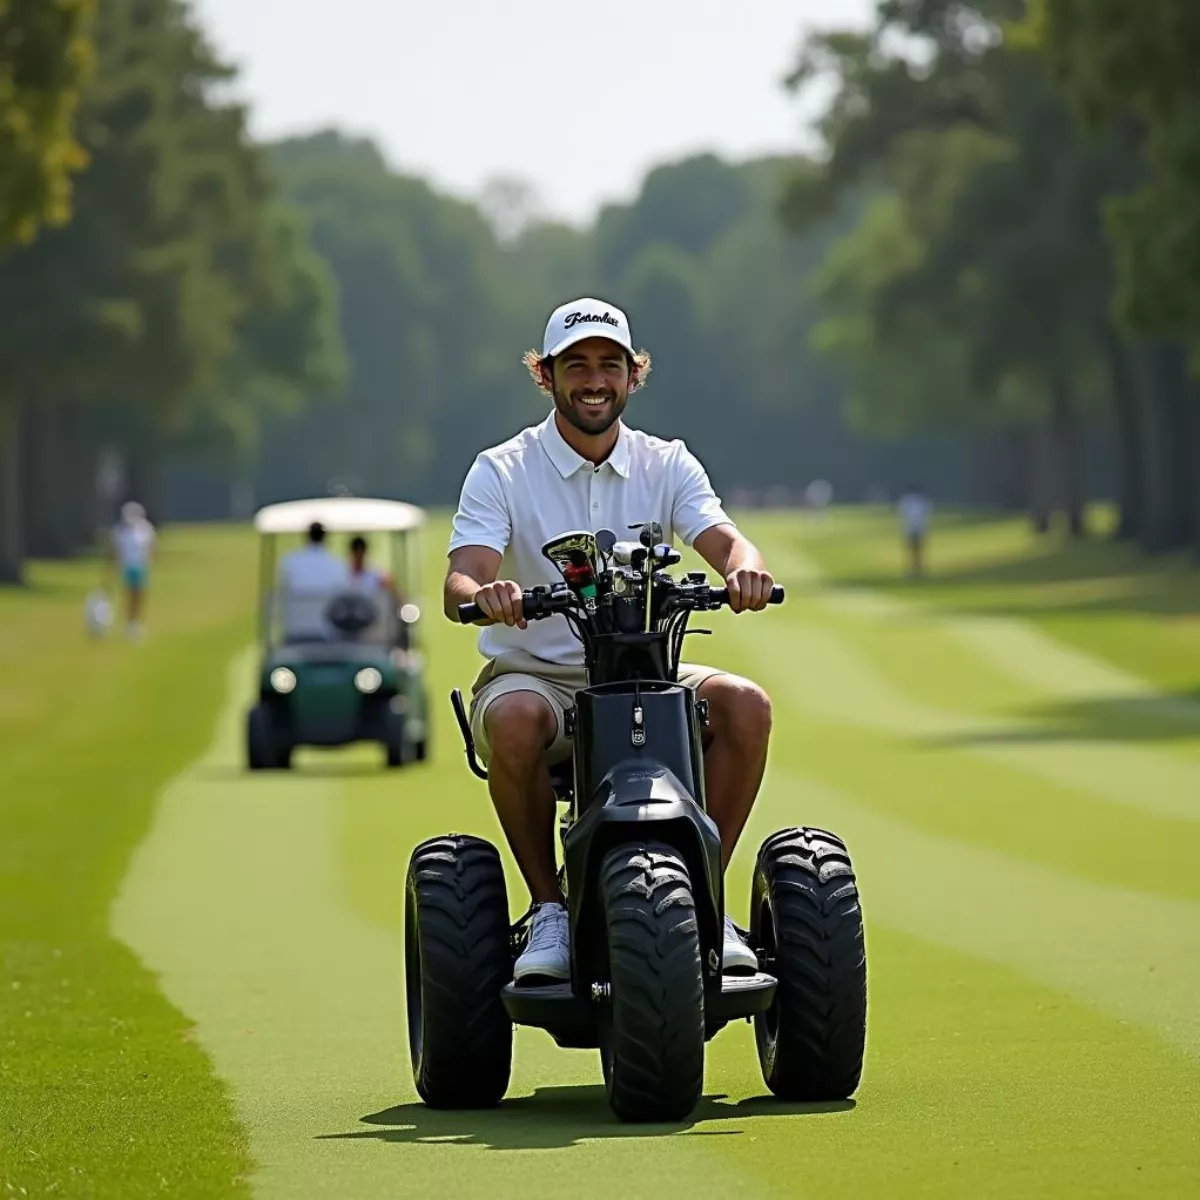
(652, 1034)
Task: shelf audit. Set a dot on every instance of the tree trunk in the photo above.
(145, 480)
(11, 555)
(1166, 510)
(1067, 458)
(1041, 478)
(85, 508)
(1128, 420)
(1192, 422)
(48, 487)
(1000, 468)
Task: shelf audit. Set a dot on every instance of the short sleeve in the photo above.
(695, 506)
(482, 518)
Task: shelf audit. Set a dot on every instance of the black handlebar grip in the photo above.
(721, 595)
(469, 613)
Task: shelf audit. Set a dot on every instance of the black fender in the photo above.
(639, 801)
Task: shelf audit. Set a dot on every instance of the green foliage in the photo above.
(1117, 61)
(45, 57)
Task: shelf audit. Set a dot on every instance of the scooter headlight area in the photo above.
(647, 988)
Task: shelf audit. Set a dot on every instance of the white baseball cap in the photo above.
(571, 323)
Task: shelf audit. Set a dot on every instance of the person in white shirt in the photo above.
(583, 468)
(915, 509)
(309, 578)
(133, 541)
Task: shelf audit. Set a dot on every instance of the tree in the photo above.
(1127, 65)
(162, 282)
(1003, 271)
(44, 59)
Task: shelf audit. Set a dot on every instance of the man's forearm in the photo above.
(460, 589)
(743, 556)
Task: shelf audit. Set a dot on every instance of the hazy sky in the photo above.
(579, 98)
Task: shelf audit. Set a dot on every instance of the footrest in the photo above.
(741, 996)
(555, 1008)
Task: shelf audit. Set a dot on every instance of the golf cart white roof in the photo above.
(339, 514)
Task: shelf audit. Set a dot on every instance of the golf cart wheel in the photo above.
(806, 919)
(457, 958)
(264, 751)
(652, 1037)
(396, 747)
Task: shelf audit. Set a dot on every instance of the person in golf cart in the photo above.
(582, 467)
(308, 578)
(369, 579)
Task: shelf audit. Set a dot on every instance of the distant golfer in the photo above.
(133, 540)
(915, 509)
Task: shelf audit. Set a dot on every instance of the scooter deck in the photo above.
(573, 1020)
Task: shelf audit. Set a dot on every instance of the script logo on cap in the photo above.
(571, 323)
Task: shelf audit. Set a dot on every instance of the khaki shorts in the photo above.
(517, 671)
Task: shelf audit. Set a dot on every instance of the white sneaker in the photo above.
(735, 954)
(547, 953)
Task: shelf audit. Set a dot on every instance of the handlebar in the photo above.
(539, 605)
(721, 595)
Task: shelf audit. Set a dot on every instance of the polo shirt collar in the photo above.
(567, 461)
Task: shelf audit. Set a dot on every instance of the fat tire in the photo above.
(652, 1039)
(395, 747)
(807, 919)
(457, 958)
(262, 743)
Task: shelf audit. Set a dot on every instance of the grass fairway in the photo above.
(1012, 752)
(103, 1088)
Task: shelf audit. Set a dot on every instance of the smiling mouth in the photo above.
(593, 401)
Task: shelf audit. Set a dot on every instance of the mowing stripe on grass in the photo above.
(1131, 955)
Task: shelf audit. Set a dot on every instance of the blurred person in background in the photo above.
(309, 577)
(915, 509)
(368, 579)
(132, 549)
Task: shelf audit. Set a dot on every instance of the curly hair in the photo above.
(640, 362)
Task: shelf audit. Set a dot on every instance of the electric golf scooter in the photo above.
(641, 873)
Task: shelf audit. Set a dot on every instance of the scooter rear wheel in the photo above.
(652, 1034)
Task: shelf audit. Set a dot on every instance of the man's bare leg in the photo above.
(736, 755)
(520, 726)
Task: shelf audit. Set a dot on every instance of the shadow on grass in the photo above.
(1174, 716)
(556, 1117)
(1086, 577)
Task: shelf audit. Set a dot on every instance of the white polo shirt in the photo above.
(520, 495)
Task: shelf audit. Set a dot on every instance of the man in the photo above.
(583, 468)
(915, 509)
(309, 578)
(133, 539)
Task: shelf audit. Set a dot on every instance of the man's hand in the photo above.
(749, 589)
(501, 602)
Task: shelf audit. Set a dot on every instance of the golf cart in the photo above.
(641, 873)
(339, 663)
